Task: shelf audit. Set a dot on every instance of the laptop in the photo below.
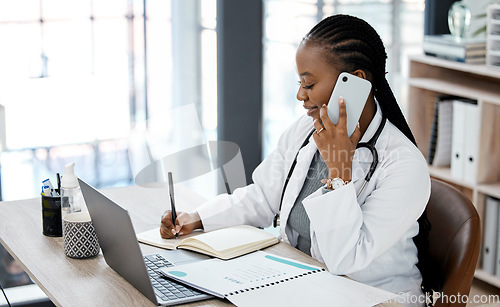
(122, 253)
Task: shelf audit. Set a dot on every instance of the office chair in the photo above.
(454, 244)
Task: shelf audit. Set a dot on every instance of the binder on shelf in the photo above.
(489, 250)
(465, 140)
(491, 201)
(471, 142)
(458, 139)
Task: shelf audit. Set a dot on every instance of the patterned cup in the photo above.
(80, 239)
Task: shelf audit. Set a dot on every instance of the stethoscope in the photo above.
(370, 145)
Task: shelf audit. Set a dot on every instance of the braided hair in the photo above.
(352, 44)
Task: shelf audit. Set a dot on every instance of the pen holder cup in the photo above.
(51, 216)
(80, 238)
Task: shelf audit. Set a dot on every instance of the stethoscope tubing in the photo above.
(371, 146)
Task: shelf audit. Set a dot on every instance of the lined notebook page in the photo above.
(226, 238)
(321, 289)
(153, 237)
(226, 277)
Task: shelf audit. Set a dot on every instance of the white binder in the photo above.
(458, 139)
(490, 201)
(489, 249)
(471, 142)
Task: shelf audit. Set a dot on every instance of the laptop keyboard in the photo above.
(165, 289)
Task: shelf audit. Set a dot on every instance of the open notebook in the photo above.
(260, 278)
(225, 243)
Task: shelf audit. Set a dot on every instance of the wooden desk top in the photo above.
(91, 282)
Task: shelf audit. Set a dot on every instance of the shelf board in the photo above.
(487, 277)
(490, 189)
(444, 173)
(472, 90)
(493, 63)
(478, 69)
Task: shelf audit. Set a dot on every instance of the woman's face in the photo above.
(317, 78)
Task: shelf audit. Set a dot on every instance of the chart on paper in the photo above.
(248, 272)
(252, 270)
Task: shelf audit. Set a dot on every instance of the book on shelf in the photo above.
(450, 40)
(224, 243)
(264, 279)
(474, 60)
(469, 50)
(433, 136)
(439, 154)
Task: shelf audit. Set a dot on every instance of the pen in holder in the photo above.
(51, 216)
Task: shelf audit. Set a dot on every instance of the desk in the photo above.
(91, 282)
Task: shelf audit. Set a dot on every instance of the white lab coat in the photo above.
(368, 238)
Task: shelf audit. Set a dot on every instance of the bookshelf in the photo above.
(431, 77)
(493, 36)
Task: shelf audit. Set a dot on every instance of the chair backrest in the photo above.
(454, 244)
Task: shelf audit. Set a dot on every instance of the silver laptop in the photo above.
(122, 253)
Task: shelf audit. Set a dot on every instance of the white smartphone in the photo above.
(355, 91)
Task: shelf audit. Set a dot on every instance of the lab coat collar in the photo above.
(363, 157)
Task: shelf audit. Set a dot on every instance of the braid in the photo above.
(354, 44)
(392, 111)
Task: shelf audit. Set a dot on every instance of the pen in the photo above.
(172, 200)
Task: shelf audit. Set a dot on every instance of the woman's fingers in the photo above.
(325, 119)
(356, 135)
(167, 226)
(342, 123)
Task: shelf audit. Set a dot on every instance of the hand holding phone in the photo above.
(355, 91)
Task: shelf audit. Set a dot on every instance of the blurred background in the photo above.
(77, 77)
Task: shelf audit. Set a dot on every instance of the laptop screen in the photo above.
(117, 239)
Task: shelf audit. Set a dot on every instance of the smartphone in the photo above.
(355, 91)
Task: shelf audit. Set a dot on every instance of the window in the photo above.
(82, 74)
(79, 76)
(286, 22)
